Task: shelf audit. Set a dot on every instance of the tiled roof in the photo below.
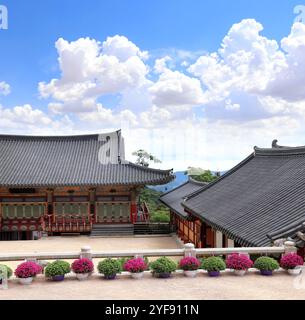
(88, 160)
(261, 195)
(173, 198)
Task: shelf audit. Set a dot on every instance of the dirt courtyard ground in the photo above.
(228, 286)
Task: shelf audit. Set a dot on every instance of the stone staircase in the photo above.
(151, 228)
(112, 230)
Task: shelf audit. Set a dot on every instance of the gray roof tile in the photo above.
(261, 195)
(90, 160)
(173, 198)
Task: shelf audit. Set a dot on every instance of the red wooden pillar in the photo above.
(133, 207)
(50, 204)
(92, 205)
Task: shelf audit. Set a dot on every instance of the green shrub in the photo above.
(213, 264)
(266, 263)
(109, 267)
(9, 271)
(163, 265)
(160, 216)
(57, 268)
(275, 256)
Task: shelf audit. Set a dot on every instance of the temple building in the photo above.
(69, 184)
(260, 202)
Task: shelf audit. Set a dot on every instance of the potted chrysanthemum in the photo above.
(163, 267)
(240, 263)
(57, 270)
(82, 268)
(189, 265)
(213, 265)
(136, 267)
(26, 271)
(292, 262)
(109, 268)
(266, 265)
(5, 271)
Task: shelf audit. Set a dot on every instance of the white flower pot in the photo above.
(138, 275)
(240, 273)
(296, 271)
(190, 273)
(82, 276)
(25, 281)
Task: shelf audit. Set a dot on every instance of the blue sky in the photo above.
(181, 29)
(28, 56)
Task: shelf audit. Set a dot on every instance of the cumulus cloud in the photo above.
(201, 109)
(26, 119)
(288, 82)
(90, 69)
(174, 88)
(5, 88)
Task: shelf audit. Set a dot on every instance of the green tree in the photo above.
(201, 175)
(144, 158)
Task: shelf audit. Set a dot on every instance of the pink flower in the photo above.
(27, 270)
(238, 261)
(189, 263)
(82, 266)
(291, 260)
(135, 265)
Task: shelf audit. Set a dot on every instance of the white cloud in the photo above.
(106, 117)
(288, 82)
(26, 119)
(5, 88)
(174, 88)
(122, 48)
(247, 93)
(90, 69)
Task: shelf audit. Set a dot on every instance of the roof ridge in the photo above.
(175, 189)
(147, 168)
(55, 137)
(194, 181)
(277, 150)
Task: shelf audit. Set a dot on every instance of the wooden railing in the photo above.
(188, 250)
(76, 220)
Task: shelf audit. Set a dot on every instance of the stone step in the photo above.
(108, 230)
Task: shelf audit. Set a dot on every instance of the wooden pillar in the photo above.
(133, 206)
(224, 241)
(92, 207)
(204, 235)
(50, 203)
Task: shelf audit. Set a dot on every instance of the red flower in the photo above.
(189, 263)
(82, 266)
(291, 260)
(135, 265)
(27, 270)
(238, 261)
